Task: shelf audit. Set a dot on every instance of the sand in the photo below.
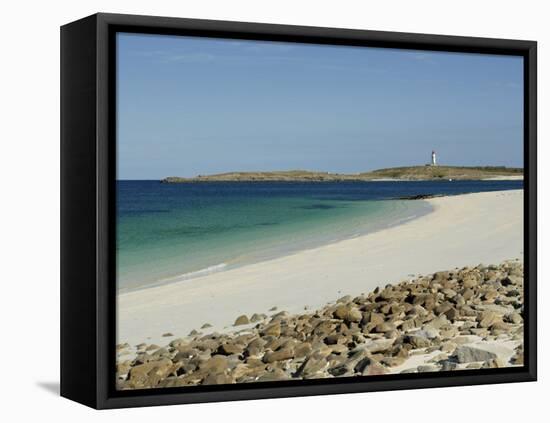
(505, 178)
(462, 230)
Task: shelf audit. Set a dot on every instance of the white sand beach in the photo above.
(462, 230)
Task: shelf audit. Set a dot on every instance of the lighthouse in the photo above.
(434, 160)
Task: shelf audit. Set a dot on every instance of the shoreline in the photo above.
(317, 181)
(455, 234)
(404, 217)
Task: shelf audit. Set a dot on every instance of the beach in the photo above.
(462, 230)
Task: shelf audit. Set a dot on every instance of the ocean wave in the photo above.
(195, 274)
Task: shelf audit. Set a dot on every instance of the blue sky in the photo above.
(189, 106)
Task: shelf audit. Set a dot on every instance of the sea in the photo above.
(175, 232)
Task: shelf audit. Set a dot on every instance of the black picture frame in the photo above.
(88, 152)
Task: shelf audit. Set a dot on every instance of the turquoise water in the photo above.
(172, 232)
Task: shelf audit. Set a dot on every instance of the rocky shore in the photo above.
(467, 318)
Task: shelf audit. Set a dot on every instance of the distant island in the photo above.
(409, 173)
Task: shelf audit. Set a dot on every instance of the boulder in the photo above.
(241, 320)
(279, 355)
(468, 354)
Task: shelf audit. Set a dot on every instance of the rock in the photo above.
(374, 369)
(449, 293)
(376, 319)
(467, 294)
(228, 349)
(206, 325)
(418, 341)
(312, 366)
(437, 323)
(273, 329)
(428, 332)
(496, 363)
(488, 318)
(273, 308)
(241, 320)
(344, 299)
(167, 334)
(363, 364)
(123, 368)
(515, 318)
(448, 347)
(218, 379)
(279, 316)
(393, 361)
(279, 355)
(302, 350)
(276, 374)
(123, 346)
(456, 317)
(448, 365)
(152, 347)
(468, 354)
(427, 368)
(348, 313)
(151, 373)
(216, 364)
(256, 317)
(517, 359)
(340, 370)
(474, 365)
(409, 325)
(384, 327)
(452, 314)
(378, 345)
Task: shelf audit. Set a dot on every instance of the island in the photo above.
(408, 173)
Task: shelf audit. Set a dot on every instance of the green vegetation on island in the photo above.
(409, 173)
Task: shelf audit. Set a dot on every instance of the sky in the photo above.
(191, 105)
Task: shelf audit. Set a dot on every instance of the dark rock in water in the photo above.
(241, 320)
(167, 334)
(419, 197)
(206, 325)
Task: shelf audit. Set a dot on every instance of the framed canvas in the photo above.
(257, 211)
